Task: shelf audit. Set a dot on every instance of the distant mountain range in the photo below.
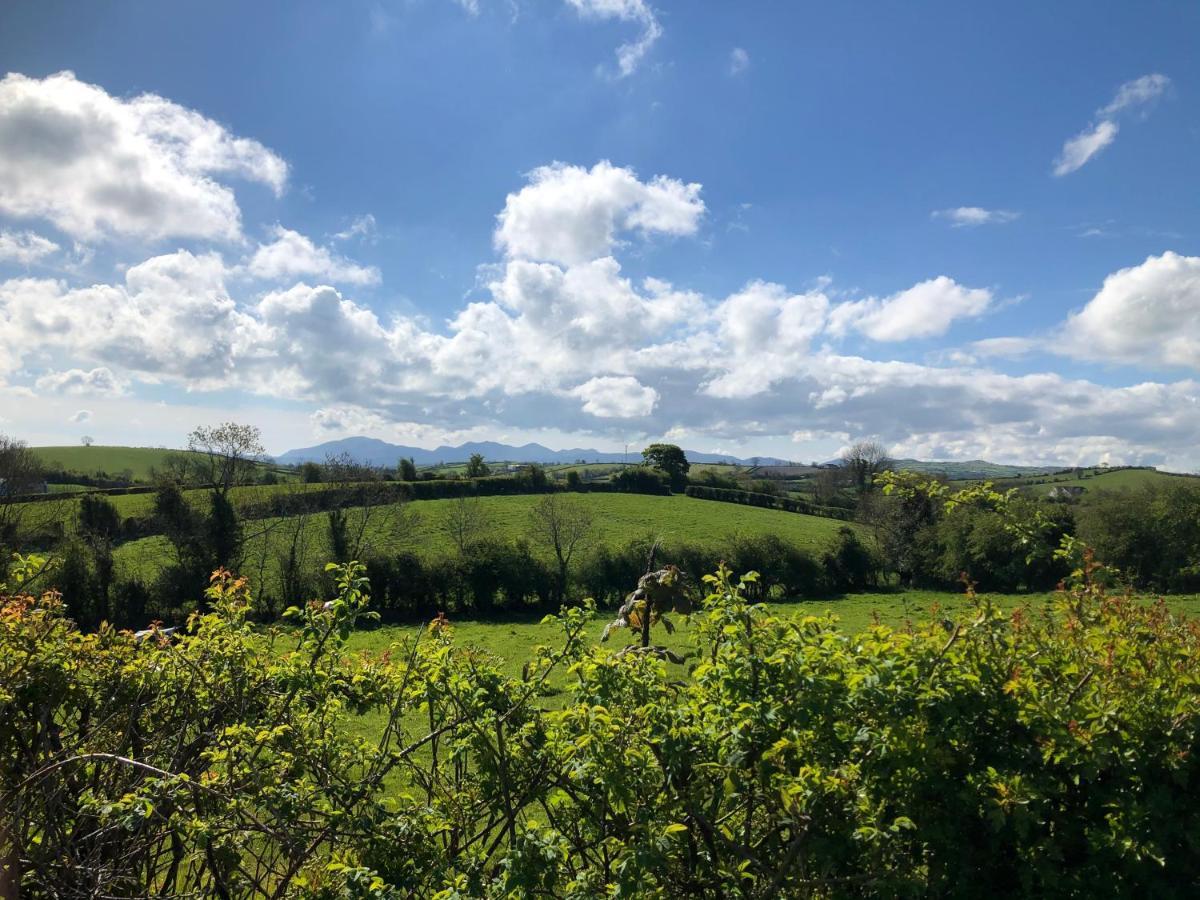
(375, 452)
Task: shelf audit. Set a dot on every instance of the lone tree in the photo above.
(671, 460)
(466, 522)
(408, 470)
(226, 454)
(87, 440)
(476, 467)
(863, 461)
(20, 473)
(561, 524)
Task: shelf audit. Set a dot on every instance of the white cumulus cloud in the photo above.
(1148, 314)
(621, 397)
(291, 255)
(570, 214)
(927, 309)
(94, 164)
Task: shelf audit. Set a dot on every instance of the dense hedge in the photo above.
(1152, 534)
(1020, 755)
(498, 576)
(768, 501)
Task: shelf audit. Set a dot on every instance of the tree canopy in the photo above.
(671, 460)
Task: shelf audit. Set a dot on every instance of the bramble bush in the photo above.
(1046, 751)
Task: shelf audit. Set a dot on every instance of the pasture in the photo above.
(1101, 480)
(88, 460)
(511, 640)
(140, 462)
(421, 526)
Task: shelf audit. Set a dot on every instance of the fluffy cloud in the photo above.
(24, 247)
(924, 310)
(630, 54)
(972, 216)
(545, 352)
(99, 380)
(1130, 96)
(291, 255)
(760, 334)
(561, 337)
(570, 214)
(1147, 314)
(81, 417)
(171, 318)
(618, 397)
(95, 164)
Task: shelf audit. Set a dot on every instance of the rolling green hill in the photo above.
(972, 469)
(420, 527)
(1103, 480)
(113, 460)
(139, 461)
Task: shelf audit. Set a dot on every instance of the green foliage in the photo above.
(671, 461)
(1023, 754)
(1152, 534)
(850, 564)
(222, 532)
(641, 480)
(98, 518)
(476, 467)
(931, 533)
(407, 470)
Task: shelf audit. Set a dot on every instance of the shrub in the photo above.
(1009, 754)
(641, 480)
(850, 565)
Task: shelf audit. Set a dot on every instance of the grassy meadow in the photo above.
(113, 460)
(511, 641)
(138, 461)
(420, 526)
(1101, 480)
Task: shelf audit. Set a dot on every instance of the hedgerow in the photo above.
(1045, 752)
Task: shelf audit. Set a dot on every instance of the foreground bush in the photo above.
(1047, 753)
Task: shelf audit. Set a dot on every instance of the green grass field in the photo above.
(420, 526)
(140, 461)
(113, 460)
(140, 505)
(512, 641)
(1110, 481)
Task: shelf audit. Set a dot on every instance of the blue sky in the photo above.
(302, 225)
